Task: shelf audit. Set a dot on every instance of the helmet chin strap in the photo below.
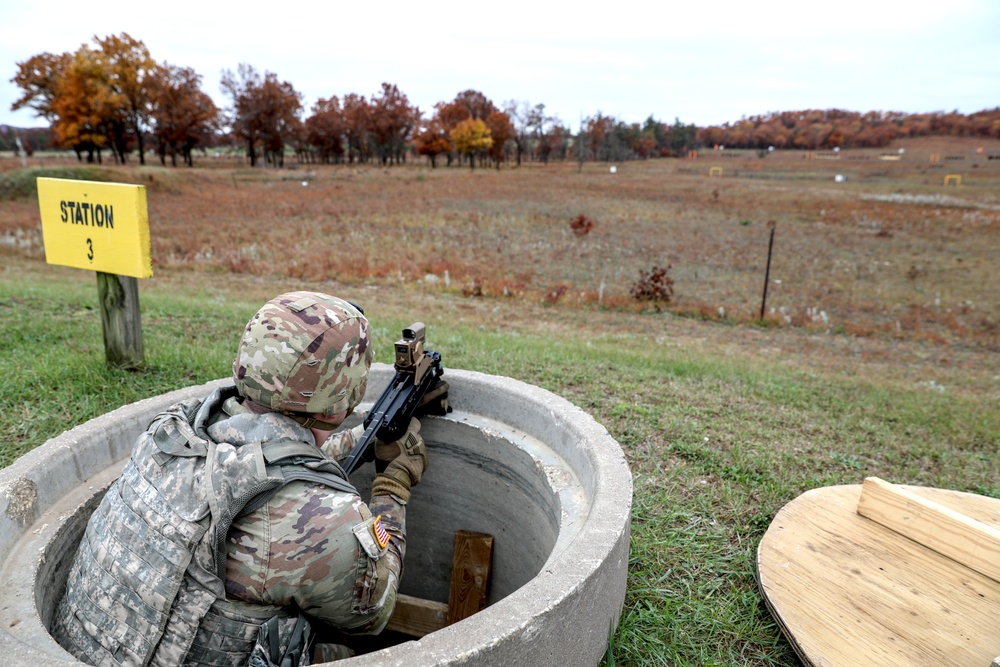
(310, 422)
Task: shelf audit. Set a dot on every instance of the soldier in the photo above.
(233, 526)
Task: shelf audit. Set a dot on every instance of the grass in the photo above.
(723, 420)
(716, 444)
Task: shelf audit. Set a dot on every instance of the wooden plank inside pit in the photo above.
(470, 574)
(417, 617)
(472, 561)
(950, 533)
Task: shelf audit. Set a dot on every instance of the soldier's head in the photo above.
(307, 355)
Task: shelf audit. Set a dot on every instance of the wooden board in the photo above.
(850, 592)
(417, 617)
(471, 564)
(948, 532)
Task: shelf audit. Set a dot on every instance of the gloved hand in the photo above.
(407, 460)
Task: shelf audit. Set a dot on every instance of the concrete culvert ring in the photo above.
(512, 460)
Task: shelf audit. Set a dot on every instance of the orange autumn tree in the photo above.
(68, 91)
(129, 71)
(38, 77)
(471, 137)
(84, 105)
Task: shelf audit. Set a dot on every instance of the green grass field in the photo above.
(723, 419)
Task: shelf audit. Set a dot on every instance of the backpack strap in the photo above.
(295, 460)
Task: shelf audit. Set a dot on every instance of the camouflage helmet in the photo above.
(305, 353)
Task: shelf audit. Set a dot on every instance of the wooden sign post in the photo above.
(103, 227)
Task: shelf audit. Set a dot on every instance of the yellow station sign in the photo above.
(97, 226)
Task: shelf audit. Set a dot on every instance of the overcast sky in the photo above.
(704, 62)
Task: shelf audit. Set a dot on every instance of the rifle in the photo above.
(416, 390)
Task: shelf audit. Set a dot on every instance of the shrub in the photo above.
(473, 288)
(654, 285)
(557, 292)
(581, 225)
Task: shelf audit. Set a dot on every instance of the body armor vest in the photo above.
(147, 586)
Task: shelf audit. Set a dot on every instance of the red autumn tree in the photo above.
(183, 116)
(431, 139)
(392, 120)
(357, 121)
(501, 131)
(265, 112)
(325, 129)
(478, 105)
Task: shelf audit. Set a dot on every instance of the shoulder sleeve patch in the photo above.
(368, 537)
(381, 536)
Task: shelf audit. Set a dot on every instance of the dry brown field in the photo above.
(888, 252)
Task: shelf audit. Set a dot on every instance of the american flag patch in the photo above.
(381, 536)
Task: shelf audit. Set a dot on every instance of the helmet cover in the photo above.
(305, 352)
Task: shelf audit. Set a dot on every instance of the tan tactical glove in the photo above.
(407, 460)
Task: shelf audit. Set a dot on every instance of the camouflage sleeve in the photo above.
(339, 445)
(392, 516)
(316, 548)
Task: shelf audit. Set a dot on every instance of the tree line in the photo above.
(834, 128)
(112, 96)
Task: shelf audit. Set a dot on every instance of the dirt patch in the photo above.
(22, 501)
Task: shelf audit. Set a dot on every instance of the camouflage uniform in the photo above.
(226, 519)
(329, 563)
